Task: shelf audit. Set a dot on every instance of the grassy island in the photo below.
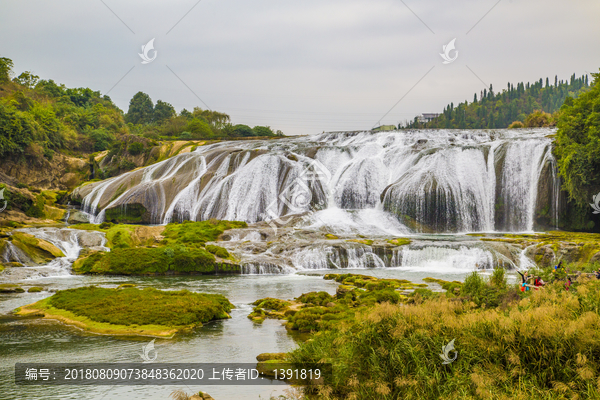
(130, 311)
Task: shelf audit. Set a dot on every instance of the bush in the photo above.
(37, 208)
(243, 130)
(218, 251)
(135, 148)
(516, 125)
(263, 131)
(199, 129)
(196, 260)
(539, 119)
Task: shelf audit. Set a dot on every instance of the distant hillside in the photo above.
(48, 132)
(515, 103)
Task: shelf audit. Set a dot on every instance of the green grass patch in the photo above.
(132, 306)
(198, 233)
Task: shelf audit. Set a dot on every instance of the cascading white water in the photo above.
(430, 181)
(69, 241)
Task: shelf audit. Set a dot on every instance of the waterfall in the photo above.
(427, 180)
(69, 241)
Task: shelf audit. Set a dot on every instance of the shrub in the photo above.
(243, 130)
(218, 251)
(135, 148)
(516, 124)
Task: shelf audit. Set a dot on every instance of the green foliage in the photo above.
(141, 109)
(315, 298)
(198, 233)
(131, 306)
(217, 251)
(27, 79)
(578, 146)
(243, 130)
(135, 148)
(6, 66)
(101, 139)
(539, 119)
(263, 131)
(151, 261)
(501, 109)
(270, 303)
(199, 129)
(195, 260)
(37, 208)
(163, 111)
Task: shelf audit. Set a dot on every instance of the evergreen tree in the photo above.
(141, 109)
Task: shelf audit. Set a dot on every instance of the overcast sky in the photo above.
(301, 66)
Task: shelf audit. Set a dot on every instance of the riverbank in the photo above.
(537, 344)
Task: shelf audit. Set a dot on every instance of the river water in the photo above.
(234, 340)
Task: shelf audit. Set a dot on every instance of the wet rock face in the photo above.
(543, 256)
(434, 181)
(78, 217)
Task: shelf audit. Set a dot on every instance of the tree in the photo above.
(163, 111)
(27, 79)
(141, 109)
(578, 144)
(243, 130)
(6, 66)
(199, 129)
(185, 113)
(263, 131)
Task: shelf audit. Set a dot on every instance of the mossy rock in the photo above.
(271, 356)
(54, 213)
(10, 288)
(12, 264)
(126, 285)
(35, 289)
(270, 303)
(399, 241)
(368, 242)
(37, 250)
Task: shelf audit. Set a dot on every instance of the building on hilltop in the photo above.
(427, 117)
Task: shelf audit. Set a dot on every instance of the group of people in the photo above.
(537, 282)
